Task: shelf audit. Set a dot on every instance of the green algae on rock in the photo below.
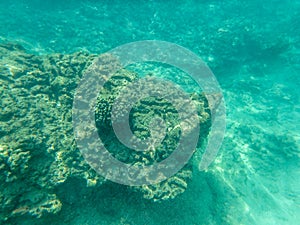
(38, 152)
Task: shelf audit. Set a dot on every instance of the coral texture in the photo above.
(37, 147)
(140, 119)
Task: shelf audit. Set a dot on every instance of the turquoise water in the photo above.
(252, 47)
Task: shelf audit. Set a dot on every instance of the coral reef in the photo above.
(141, 116)
(37, 148)
(168, 189)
